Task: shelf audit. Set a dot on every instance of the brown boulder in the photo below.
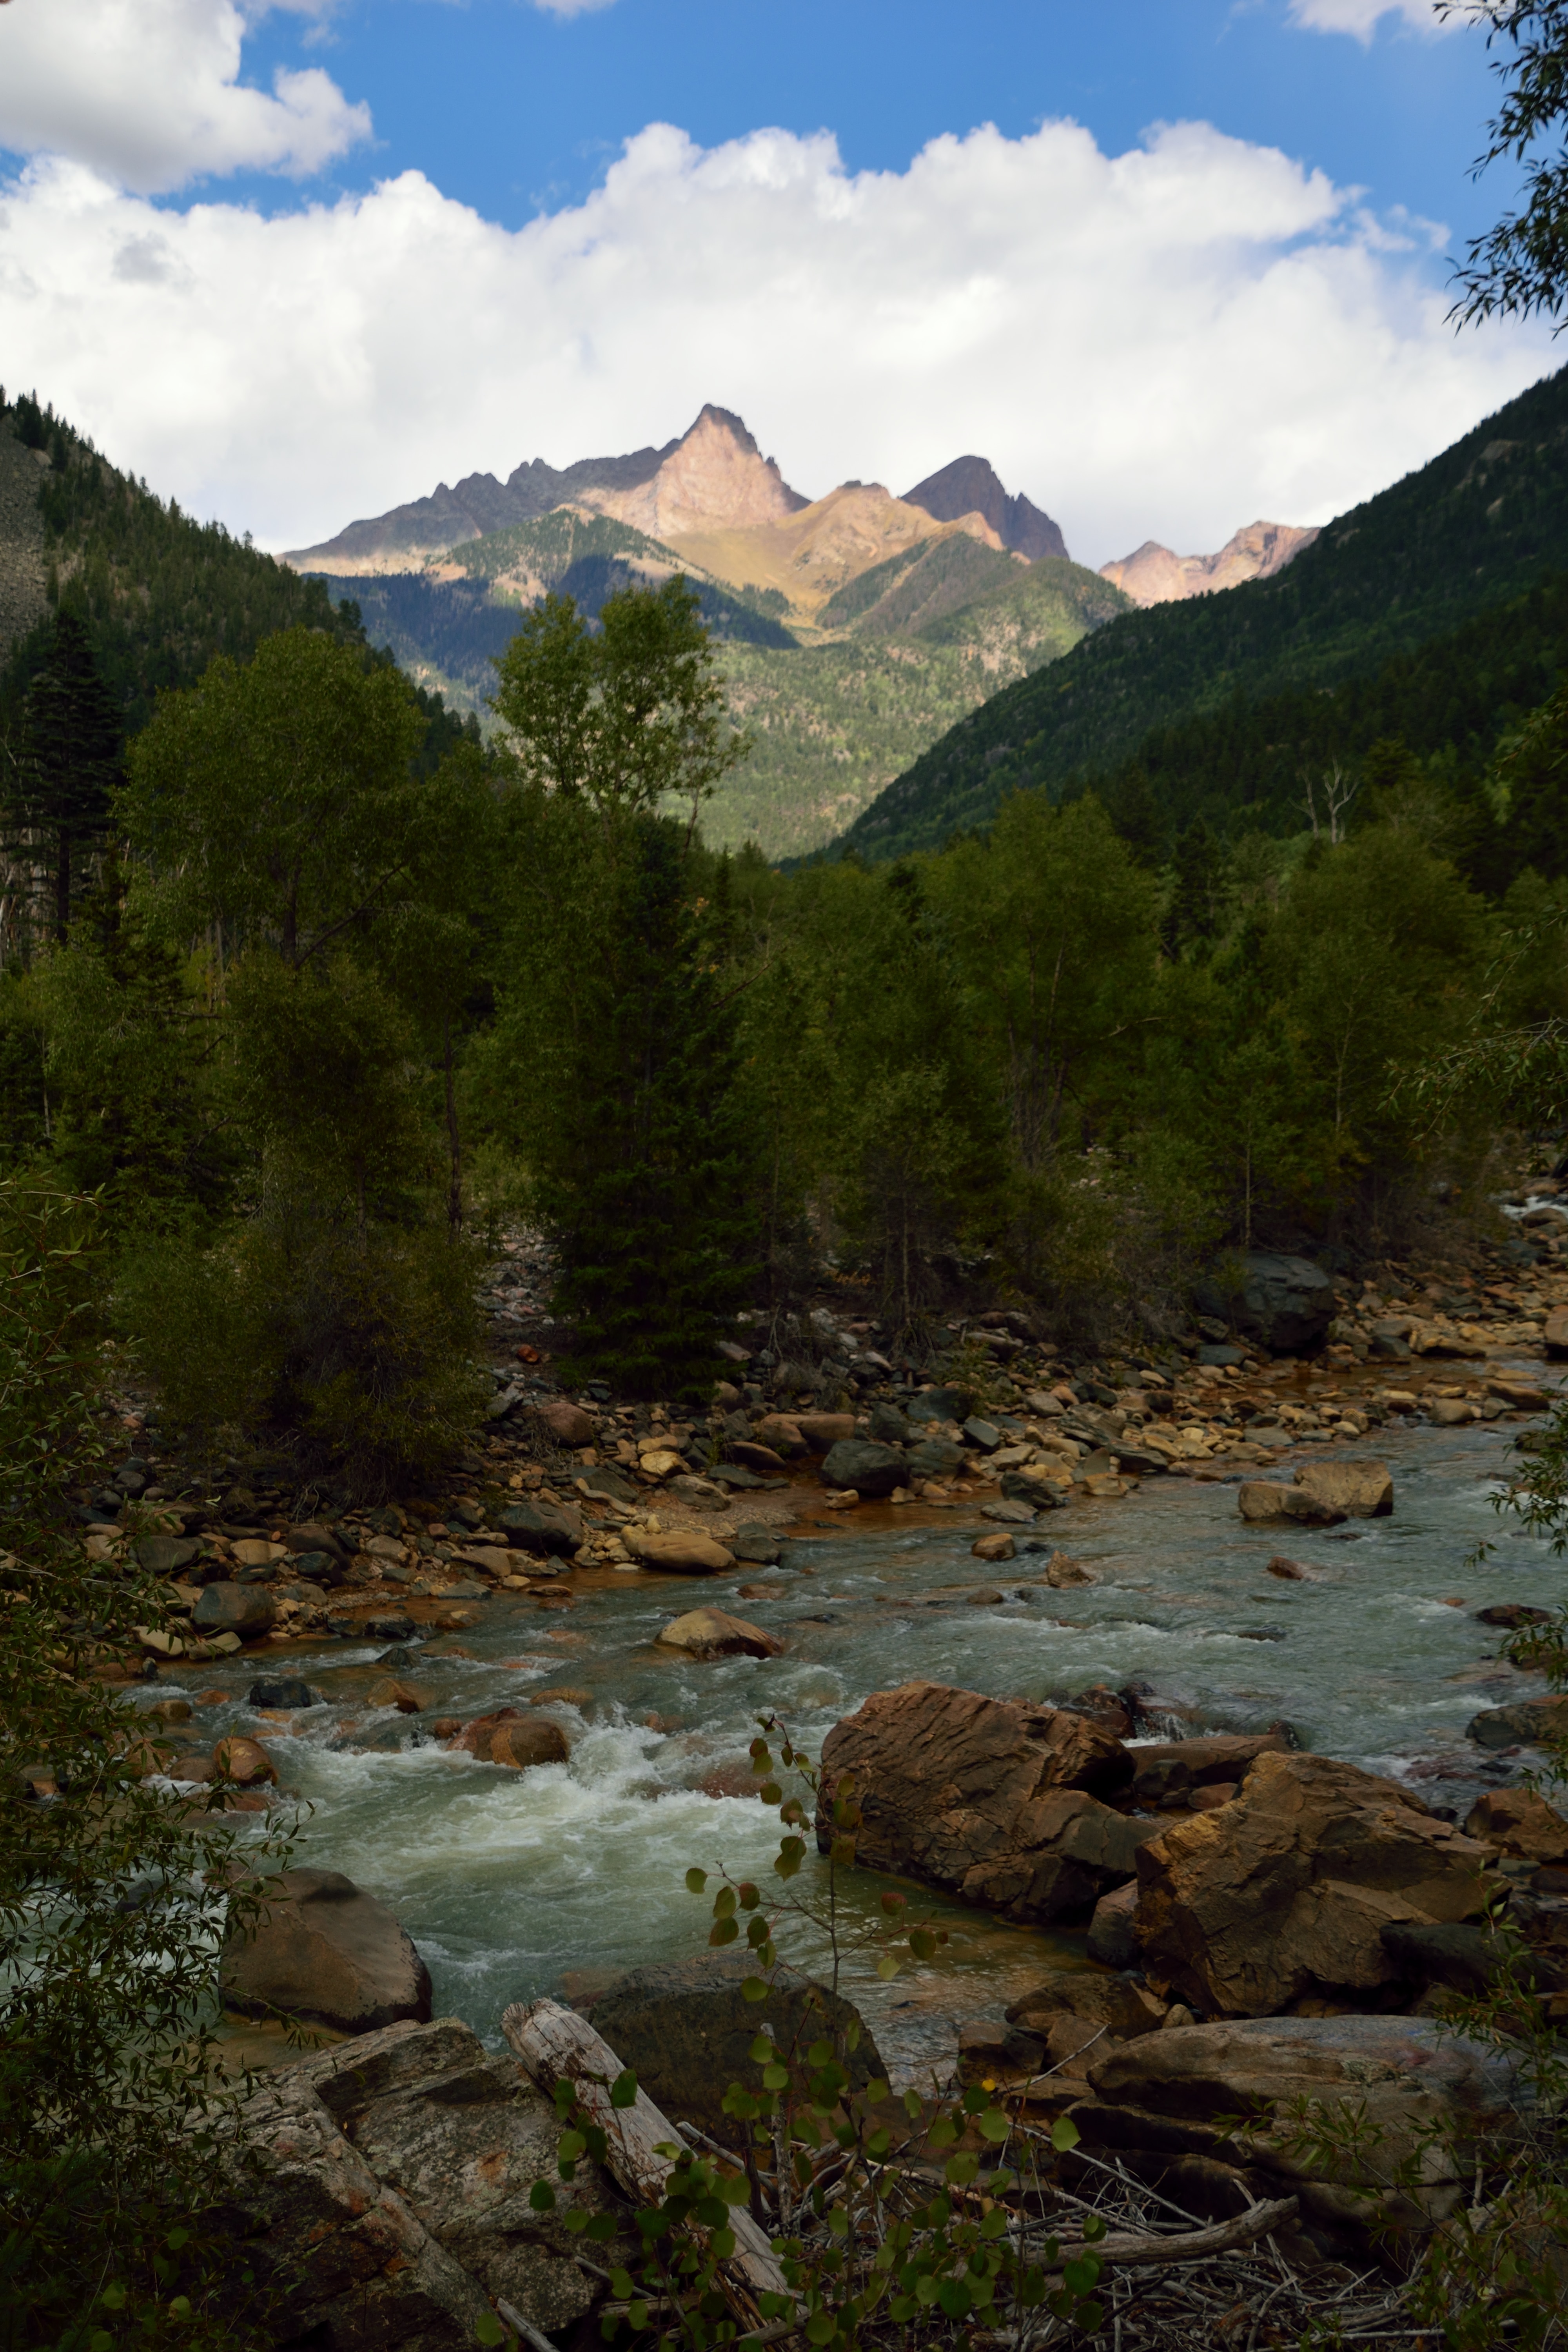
(1265, 1498)
(389, 1692)
(1555, 1332)
(752, 1456)
(1122, 2008)
(824, 1430)
(1361, 1490)
(1168, 1770)
(1520, 1822)
(997, 1547)
(243, 1761)
(712, 1634)
(990, 1800)
(248, 1610)
(678, 1552)
(509, 1737)
(1112, 1937)
(567, 1423)
(1527, 1723)
(1284, 1891)
(324, 1950)
(781, 1432)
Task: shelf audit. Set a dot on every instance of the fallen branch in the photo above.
(1189, 2245)
(556, 2045)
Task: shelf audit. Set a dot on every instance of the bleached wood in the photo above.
(557, 2046)
(1190, 2246)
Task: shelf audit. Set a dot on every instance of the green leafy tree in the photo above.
(628, 716)
(1521, 266)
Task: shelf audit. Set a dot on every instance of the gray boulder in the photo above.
(943, 1404)
(889, 1425)
(325, 1950)
(935, 1457)
(543, 1528)
(1285, 1303)
(686, 2029)
(242, 1609)
(869, 1469)
(1527, 1723)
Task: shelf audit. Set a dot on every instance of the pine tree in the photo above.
(647, 1177)
(64, 765)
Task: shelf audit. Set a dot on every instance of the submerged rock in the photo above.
(712, 1634)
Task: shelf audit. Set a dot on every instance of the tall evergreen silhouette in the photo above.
(65, 760)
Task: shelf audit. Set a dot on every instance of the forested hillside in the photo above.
(1484, 522)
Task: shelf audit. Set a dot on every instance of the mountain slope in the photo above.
(1151, 574)
(1482, 522)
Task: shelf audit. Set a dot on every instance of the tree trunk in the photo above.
(454, 1140)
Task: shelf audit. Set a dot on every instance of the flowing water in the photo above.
(510, 1883)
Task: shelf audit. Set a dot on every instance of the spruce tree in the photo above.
(646, 1173)
(64, 765)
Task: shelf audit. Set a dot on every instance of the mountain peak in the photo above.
(972, 486)
(1151, 574)
(714, 477)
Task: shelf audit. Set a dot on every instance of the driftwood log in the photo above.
(1190, 2246)
(556, 2045)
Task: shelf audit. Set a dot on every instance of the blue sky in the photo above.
(517, 111)
(1173, 266)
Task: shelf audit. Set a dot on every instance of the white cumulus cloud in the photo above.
(1362, 17)
(150, 96)
(1163, 343)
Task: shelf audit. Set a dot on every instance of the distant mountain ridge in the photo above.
(1152, 575)
(972, 486)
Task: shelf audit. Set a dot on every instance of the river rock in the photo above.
(1123, 2008)
(678, 1552)
(612, 1484)
(1519, 1822)
(1554, 1331)
(1167, 1771)
(997, 1547)
(1284, 1891)
(868, 1469)
(888, 1426)
(567, 1423)
(758, 1547)
(517, 1740)
(1455, 1953)
(325, 1950)
(1111, 1939)
(987, 1799)
(686, 2029)
(1265, 1498)
(712, 1634)
(934, 1457)
(1527, 1723)
(1288, 1303)
(543, 1528)
(283, 1692)
(165, 1555)
(1360, 1490)
(314, 1535)
(750, 1455)
(387, 1691)
(780, 1433)
(823, 1431)
(464, 2135)
(243, 1761)
(243, 1609)
(1408, 2075)
(942, 1405)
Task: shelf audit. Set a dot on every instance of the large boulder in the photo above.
(679, 1552)
(244, 1609)
(942, 1405)
(381, 2193)
(868, 1469)
(463, 2135)
(1268, 1498)
(1527, 1723)
(1285, 1890)
(1521, 1823)
(713, 1634)
(1360, 1490)
(686, 2029)
(1407, 2078)
(324, 1950)
(508, 1737)
(566, 1422)
(992, 1800)
(1287, 1303)
(543, 1528)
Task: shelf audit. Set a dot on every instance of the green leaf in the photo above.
(943, 2132)
(954, 2297)
(724, 1903)
(600, 2226)
(621, 2285)
(176, 2239)
(697, 1882)
(821, 2328)
(994, 2124)
(913, 2105)
(637, 2318)
(771, 1793)
(760, 2051)
(624, 2089)
(776, 2077)
(722, 2243)
(569, 2147)
(922, 1943)
(724, 1931)
(113, 2297)
(1064, 2135)
(488, 2329)
(750, 1896)
(542, 2197)
(961, 2169)
(1091, 2318)
(577, 2221)
(1082, 2277)
(754, 1989)
(888, 1968)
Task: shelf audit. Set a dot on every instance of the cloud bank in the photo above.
(1362, 17)
(151, 96)
(1165, 344)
